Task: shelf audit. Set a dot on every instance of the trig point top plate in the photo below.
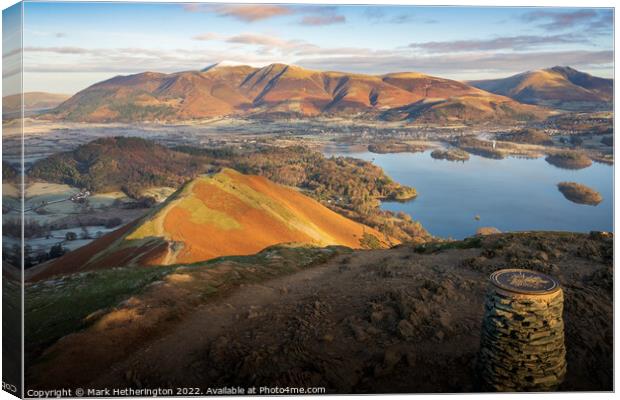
(524, 281)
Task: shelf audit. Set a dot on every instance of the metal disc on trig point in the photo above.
(524, 281)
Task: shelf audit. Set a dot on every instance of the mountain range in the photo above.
(557, 87)
(280, 90)
(227, 213)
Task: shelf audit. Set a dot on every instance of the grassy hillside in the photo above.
(561, 87)
(118, 163)
(347, 185)
(58, 307)
(401, 320)
(227, 213)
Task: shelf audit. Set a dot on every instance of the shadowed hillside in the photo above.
(118, 163)
(280, 90)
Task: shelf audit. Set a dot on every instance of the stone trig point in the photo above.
(522, 341)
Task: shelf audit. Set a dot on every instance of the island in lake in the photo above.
(580, 194)
(569, 160)
(450, 155)
(392, 147)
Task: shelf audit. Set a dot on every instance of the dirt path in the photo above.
(209, 322)
(303, 311)
(367, 322)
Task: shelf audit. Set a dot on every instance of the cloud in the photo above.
(603, 24)
(257, 39)
(60, 35)
(266, 44)
(378, 15)
(459, 65)
(95, 52)
(312, 15)
(271, 44)
(319, 20)
(557, 21)
(128, 60)
(7, 73)
(402, 19)
(242, 12)
(606, 18)
(207, 36)
(522, 42)
(193, 7)
(320, 15)
(12, 52)
(481, 58)
(59, 50)
(356, 59)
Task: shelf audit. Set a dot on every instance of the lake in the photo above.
(513, 194)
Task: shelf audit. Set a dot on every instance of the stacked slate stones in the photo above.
(522, 342)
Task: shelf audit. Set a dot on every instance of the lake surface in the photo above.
(512, 194)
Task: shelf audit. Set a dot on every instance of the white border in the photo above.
(483, 3)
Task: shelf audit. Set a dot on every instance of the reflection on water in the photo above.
(511, 194)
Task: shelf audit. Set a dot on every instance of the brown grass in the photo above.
(226, 214)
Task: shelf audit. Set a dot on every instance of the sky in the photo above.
(11, 48)
(69, 46)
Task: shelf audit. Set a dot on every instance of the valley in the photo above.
(342, 136)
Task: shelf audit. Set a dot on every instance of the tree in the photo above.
(71, 236)
(576, 141)
(57, 250)
(148, 201)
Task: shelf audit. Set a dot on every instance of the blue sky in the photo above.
(69, 46)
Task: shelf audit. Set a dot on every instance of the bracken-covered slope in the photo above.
(228, 213)
(561, 87)
(280, 90)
